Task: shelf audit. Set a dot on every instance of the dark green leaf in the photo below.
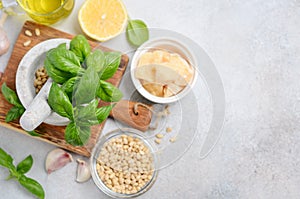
(86, 87)
(32, 186)
(24, 166)
(81, 47)
(59, 101)
(64, 60)
(77, 135)
(57, 75)
(137, 32)
(103, 112)
(10, 95)
(96, 60)
(14, 113)
(108, 92)
(86, 115)
(112, 62)
(5, 159)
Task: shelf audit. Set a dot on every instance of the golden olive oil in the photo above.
(47, 11)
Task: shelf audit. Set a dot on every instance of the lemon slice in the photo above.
(102, 19)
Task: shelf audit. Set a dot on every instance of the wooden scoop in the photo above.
(128, 112)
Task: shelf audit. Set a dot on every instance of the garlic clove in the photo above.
(83, 171)
(57, 159)
(4, 42)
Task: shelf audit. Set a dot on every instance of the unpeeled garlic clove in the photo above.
(57, 159)
(83, 171)
(4, 42)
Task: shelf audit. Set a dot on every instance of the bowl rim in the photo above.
(150, 44)
(96, 150)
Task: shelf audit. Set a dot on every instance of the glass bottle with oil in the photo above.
(45, 11)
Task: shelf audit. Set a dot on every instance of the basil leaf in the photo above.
(137, 32)
(81, 47)
(57, 75)
(86, 87)
(108, 92)
(14, 113)
(62, 46)
(59, 101)
(112, 62)
(86, 115)
(96, 60)
(103, 112)
(10, 95)
(25, 165)
(64, 60)
(5, 159)
(77, 135)
(32, 186)
(68, 86)
(33, 133)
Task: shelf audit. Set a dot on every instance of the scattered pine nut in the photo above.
(157, 141)
(37, 32)
(28, 33)
(168, 129)
(27, 43)
(159, 135)
(173, 139)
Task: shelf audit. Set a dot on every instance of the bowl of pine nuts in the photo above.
(123, 164)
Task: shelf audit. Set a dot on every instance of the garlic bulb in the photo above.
(83, 171)
(57, 159)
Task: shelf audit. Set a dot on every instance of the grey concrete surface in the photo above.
(255, 46)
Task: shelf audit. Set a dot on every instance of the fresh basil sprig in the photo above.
(81, 88)
(17, 110)
(137, 32)
(18, 173)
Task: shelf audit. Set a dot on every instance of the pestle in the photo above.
(38, 110)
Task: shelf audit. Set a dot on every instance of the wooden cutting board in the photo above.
(49, 133)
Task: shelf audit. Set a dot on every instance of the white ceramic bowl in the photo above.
(171, 45)
(33, 60)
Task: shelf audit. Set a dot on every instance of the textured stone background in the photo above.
(255, 46)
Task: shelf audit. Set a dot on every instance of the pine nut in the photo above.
(37, 32)
(173, 139)
(157, 141)
(168, 129)
(27, 43)
(28, 33)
